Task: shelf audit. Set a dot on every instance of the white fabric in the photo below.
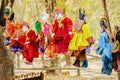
(27, 42)
(70, 33)
(53, 34)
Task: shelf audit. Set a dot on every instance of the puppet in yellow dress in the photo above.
(79, 42)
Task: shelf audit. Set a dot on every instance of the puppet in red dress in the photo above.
(30, 48)
(18, 39)
(62, 28)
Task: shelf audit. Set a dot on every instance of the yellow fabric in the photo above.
(80, 39)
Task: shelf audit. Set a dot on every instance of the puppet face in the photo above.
(102, 28)
(25, 28)
(44, 17)
(58, 15)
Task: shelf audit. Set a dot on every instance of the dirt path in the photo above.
(91, 73)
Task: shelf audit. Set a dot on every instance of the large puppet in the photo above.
(79, 42)
(105, 48)
(31, 48)
(47, 33)
(40, 35)
(62, 28)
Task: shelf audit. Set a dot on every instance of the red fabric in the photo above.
(31, 49)
(32, 46)
(21, 40)
(11, 29)
(62, 38)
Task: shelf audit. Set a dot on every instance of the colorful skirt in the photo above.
(14, 49)
(17, 49)
(78, 41)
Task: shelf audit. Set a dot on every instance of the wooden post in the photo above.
(68, 60)
(18, 60)
(118, 75)
(42, 76)
(78, 71)
(106, 14)
(50, 5)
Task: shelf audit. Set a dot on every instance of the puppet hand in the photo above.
(15, 39)
(27, 42)
(53, 34)
(70, 33)
(98, 56)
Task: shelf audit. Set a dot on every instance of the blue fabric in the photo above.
(14, 48)
(99, 50)
(107, 65)
(88, 50)
(105, 50)
(20, 48)
(84, 63)
(105, 45)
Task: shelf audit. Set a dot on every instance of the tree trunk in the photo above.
(6, 60)
(106, 13)
(50, 5)
(3, 5)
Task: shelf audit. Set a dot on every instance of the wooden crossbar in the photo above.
(30, 76)
(53, 68)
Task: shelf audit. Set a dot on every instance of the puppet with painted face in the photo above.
(46, 25)
(47, 34)
(79, 42)
(40, 36)
(30, 50)
(62, 28)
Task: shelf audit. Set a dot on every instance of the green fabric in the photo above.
(37, 26)
(115, 47)
(7, 11)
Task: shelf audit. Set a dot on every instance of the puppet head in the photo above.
(44, 17)
(58, 14)
(25, 27)
(103, 23)
(82, 15)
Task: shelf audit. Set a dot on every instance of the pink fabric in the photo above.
(46, 28)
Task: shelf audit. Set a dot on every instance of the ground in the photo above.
(91, 73)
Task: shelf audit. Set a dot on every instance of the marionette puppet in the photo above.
(9, 26)
(47, 33)
(79, 42)
(62, 32)
(40, 36)
(18, 39)
(105, 48)
(8, 32)
(30, 49)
